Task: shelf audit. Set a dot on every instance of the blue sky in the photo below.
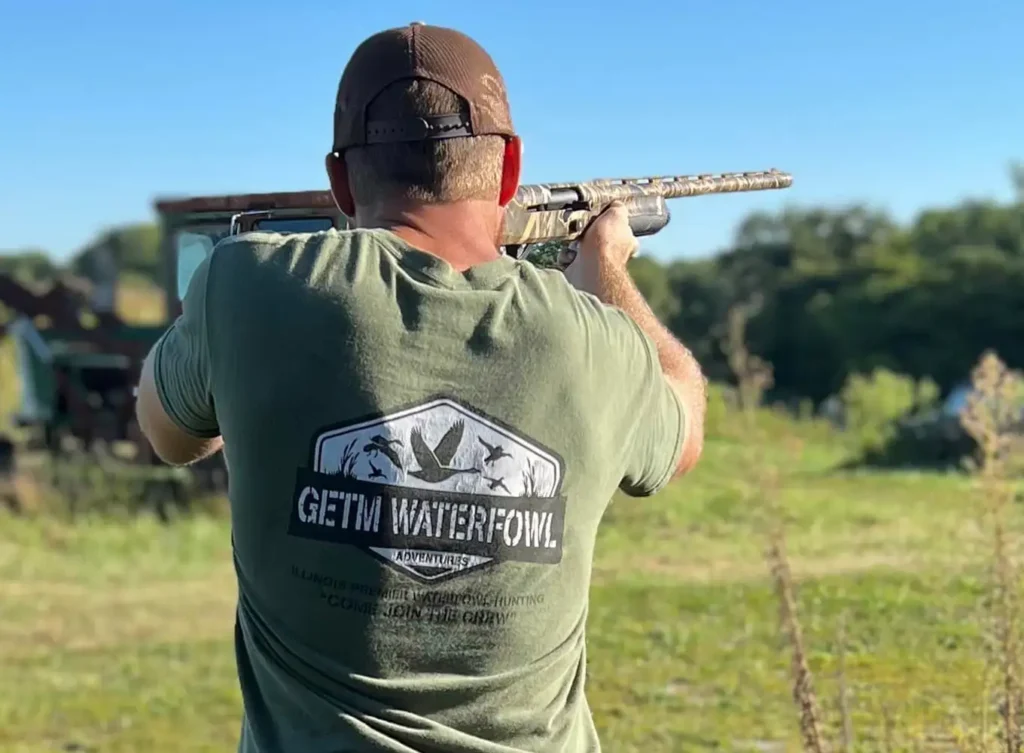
(901, 105)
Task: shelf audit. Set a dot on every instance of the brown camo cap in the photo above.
(418, 51)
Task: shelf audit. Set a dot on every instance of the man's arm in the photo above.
(175, 406)
(679, 367)
(600, 269)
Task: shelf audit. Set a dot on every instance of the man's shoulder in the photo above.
(563, 295)
(579, 322)
(291, 255)
(554, 287)
(266, 244)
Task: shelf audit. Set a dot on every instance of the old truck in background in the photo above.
(78, 362)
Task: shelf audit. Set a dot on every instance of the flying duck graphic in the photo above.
(494, 452)
(496, 483)
(381, 445)
(434, 464)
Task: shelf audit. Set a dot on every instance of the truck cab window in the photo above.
(191, 248)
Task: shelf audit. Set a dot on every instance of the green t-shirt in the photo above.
(419, 459)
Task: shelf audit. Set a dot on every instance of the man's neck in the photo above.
(462, 234)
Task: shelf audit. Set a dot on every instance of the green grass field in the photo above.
(115, 635)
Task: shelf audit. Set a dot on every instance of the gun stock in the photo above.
(562, 211)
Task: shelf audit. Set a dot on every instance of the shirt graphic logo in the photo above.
(434, 490)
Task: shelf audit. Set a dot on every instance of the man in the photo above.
(422, 433)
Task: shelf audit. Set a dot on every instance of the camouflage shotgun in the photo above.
(560, 212)
(545, 215)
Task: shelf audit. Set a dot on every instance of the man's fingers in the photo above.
(615, 208)
(613, 213)
(609, 239)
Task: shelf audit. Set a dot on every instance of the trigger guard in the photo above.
(568, 253)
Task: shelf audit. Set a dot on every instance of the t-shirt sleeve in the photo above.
(651, 414)
(181, 363)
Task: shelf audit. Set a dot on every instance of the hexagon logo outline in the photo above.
(434, 490)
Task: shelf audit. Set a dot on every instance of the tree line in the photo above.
(837, 292)
(831, 292)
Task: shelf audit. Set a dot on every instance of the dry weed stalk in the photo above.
(991, 411)
(846, 718)
(753, 375)
(888, 722)
(789, 622)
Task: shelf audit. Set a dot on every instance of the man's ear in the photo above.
(337, 174)
(511, 168)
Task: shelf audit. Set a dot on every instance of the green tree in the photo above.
(133, 249)
(28, 265)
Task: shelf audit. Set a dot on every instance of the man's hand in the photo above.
(603, 251)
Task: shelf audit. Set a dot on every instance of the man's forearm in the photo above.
(677, 362)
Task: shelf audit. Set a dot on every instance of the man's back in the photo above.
(419, 460)
(419, 456)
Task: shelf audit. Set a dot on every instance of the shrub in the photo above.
(874, 403)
